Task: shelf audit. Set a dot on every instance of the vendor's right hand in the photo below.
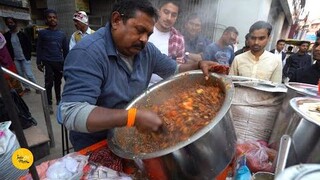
(147, 121)
(40, 67)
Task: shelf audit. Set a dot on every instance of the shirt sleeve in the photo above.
(72, 42)
(277, 73)
(39, 48)
(74, 115)
(65, 46)
(234, 67)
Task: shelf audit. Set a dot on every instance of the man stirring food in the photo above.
(105, 72)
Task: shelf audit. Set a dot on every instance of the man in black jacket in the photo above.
(298, 60)
(19, 47)
(310, 74)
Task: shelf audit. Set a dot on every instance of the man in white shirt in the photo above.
(165, 37)
(258, 63)
(279, 50)
(80, 19)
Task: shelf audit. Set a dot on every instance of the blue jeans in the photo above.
(24, 70)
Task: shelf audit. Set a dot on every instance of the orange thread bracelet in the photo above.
(131, 117)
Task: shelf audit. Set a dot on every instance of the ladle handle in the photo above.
(282, 157)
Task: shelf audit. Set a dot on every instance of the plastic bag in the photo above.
(259, 156)
(94, 171)
(68, 167)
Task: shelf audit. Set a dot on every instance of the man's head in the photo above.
(259, 36)
(229, 36)
(11, 23)
(280, 45)
(168, 14)
(51, 18)
(132, 23)
(80, 20)
(304, 46)
(316, 50)
(246, 43)
(193, 25)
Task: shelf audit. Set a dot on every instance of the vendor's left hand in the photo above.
(210, 66)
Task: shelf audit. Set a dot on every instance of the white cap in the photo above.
(81, 16)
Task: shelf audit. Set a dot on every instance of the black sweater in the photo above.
(24, 42)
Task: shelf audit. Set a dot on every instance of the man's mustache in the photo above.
(139, 45)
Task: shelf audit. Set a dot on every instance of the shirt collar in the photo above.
(110, 46)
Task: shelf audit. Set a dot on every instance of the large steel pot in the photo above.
(304, 131)
(283, 119)
(205, 154)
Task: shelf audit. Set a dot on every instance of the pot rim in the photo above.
(294, 104)
(303, 90)
(229, 92)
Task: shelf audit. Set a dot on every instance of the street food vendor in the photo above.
(107, 69)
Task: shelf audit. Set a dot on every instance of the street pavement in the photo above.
(34, 103)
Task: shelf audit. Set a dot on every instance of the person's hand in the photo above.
(210, 66)
(206, 66)
(40, 67)
(180, 60)
(147, 121)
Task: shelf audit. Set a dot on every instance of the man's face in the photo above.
(280, 46)
(258, 40)
(303, 47)
(193, 27)
(316, 50)
(52, 20)
(131, 37)
(11, 24)
(168, 15)
(230, 38)
(79, 25)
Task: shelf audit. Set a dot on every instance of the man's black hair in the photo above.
(261, 25)
(164, 2)
(128, 8)
(281, 40)
(231, 29)
(48, 11)
(193, 16)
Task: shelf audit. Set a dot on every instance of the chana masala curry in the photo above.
(183, 114)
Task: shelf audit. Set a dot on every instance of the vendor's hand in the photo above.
(147, 121)
(40, 67)
(206, 66)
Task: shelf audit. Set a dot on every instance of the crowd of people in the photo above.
(139, 46)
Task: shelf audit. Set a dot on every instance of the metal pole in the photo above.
(44, 101)
(13, 115)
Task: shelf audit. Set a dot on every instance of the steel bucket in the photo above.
(283, 119)
(304, 131)
(205, 154)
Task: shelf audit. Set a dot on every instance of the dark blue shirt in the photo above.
(52, 45)
(217, 54)
(196, 45)
(96, 74)
(309, 74)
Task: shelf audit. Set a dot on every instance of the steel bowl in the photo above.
(282, 121)
(205, 154)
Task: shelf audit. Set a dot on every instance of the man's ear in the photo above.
(116, 19)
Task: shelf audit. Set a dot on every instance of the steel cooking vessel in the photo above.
(205, 154)
(304, 131)
(282, 121)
